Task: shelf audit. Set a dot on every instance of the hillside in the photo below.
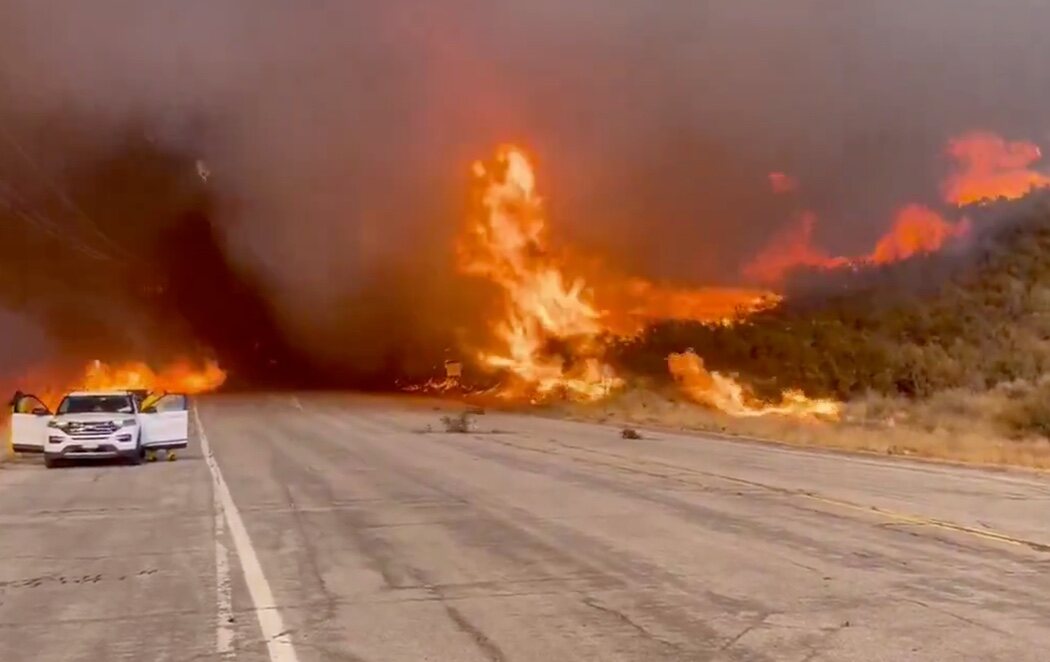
(970, 322)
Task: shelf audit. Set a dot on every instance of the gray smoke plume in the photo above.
(337, 136)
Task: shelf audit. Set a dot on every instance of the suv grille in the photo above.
(91, 430)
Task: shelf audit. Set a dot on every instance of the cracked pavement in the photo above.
(545, 540)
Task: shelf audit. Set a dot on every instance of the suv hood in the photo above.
(92, 418)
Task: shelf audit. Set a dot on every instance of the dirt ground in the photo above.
(903, 433)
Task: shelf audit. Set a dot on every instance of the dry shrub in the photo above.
(461, 423)
(950, 411)
(1027, 413)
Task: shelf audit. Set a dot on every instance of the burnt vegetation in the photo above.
(972, 320)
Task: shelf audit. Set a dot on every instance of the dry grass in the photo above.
(953, 426)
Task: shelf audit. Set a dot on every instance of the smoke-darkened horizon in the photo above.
(284, 184)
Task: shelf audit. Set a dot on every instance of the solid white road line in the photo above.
(223, 583)
(278, 641)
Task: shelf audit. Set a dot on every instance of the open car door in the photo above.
(29, 418)
(165, 421)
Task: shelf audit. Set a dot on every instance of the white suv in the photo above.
(98, 425)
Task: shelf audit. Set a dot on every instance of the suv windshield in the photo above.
(96, 404)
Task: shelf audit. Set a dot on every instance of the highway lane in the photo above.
(378, 536)
(110, 562)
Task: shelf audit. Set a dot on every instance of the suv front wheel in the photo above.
(139, 454)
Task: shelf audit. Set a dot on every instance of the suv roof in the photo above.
(78, 394)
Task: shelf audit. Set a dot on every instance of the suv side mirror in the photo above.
(41, 411)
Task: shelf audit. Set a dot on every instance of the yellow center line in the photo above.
(891, 515)
(919, 520)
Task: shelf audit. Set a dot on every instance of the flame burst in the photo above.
(731, 397)
(507, 244)
(551, 336)
(991, 168)
(553, 330)
(179, 377)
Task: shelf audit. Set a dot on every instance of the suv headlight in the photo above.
(54, 425)
(127, 422)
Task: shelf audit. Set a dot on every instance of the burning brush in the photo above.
(507, 243)
(551, 336)
(552, 332)
(179, 377)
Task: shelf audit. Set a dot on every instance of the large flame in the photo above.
(731, 397)
(507, 243)
(551, 334)
(991, 168)
(179, 377)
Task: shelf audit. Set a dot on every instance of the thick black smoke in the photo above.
(281, 182)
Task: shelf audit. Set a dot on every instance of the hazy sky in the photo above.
(339, 134)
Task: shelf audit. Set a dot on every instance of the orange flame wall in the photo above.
(180, 377)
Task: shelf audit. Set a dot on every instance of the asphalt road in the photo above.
(347, 528)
